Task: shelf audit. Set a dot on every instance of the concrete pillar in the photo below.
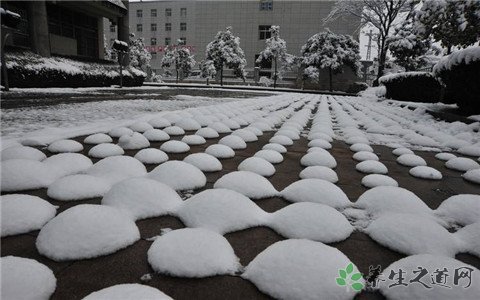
(38, 26)
(123, 27)
(101, 38)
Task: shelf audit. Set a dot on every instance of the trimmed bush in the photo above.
(357, 87)
(412, 86)
(460, 73)
(27, 70)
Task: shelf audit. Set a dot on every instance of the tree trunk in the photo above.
(275, 74)
(330, 75)
(381, 60)
(221, 76)
(176, 71)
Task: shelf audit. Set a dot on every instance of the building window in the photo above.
(153, 12)
(266, 5)
(139, 27)
(153, 27)
(182, 41)
(168, 26)
(154, 55)
(183, 26)
(168, 12)
(264, 32)
(139, 13)
(112, 28)
(153, 41)
(168, 41)
(183, 12)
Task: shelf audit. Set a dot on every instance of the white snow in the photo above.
(471, 150)
(140, 126)
(188, 124)
(133, 141)
(472, 176)
(78, 187)
(179, 175)
(86, 231)
(175, 147)
(321, 143)
(233, 141)
(26, 279)
(205, 162)
(220, 151)
(65, 146)
(445, 156)
(282, 140)
(365, 155)
(22, 152)
(463, 209)
(462, 164)
(194, 139)
(257, 165)
(159, 122)
(293, 269)
(220, 127)
(24, 213)
(207, 132)
(318, 158)
(316, 190)
(275, 147)
(247, 183)
(462, 56)
(374, 180)
(174, 130)
(361, 147)
(402, 151)
(425, 173)
(105, 150)
(25, 174)
(371, 167)
(128, 291)
(411, 160)
(319, 172)
(469, 239)
(68, 163)
(271, 156)
(117, 168)
(156, 135)
(246, 135)
(119, 131)
(192, 252)
(98, 138)
(151, 156)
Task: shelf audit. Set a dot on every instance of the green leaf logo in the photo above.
(348, 279)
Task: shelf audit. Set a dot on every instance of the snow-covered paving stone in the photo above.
(319, 172)
(151, 156)
(142, 198)
(26, 279)
(188, 124)
(220, 127)
(128, 291)
(282, 140)
(133, 141)
(98, 138)
(140, 126)
(117, 168)
(220, 151)
(471, 150)
(179, 175)
(222, 211)
(174, 130)
(321, 143)
(156, 135)
(364, 155)
(411, 160)
(275, 147)
(25, 174)
(78, 187)
(430, 263)
(374, 180)
(402, 151)
(318, 158)
(247, 183)
(22, 152)
(175, 147)
(193, 252)
(105, 150)
(462, 164)
(194, 140)
(86, 231)
(311, 221)
(472, 176)
(159, 122)
(425, 173)
(291, 269)
(257, 165)
(246, 135)
(271, 156)
(205, 162)
(316, 190)
(463, 209)
(371, 167)
(68, 163)
(24, 213)
(119, 131)
(207, 133)
(361, 147)
(233, 141)
(445, 156)
(63, 146)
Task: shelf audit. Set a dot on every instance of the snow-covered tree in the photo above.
(180, 59)
(207, 69)
(327, 50)
(276, 52)
(139, 56)
(454, 23)
(225, 50)
(381, 14)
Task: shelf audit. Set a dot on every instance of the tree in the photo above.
(381, 14)
(276, 51)
(139, 56)
(327, 50)
(207, 69)
(225, 50)
(453, 23)
(179, 58)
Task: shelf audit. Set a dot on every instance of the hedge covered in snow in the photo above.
(25, 69)
(412, 86)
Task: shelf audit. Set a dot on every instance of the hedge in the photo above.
(412, 86)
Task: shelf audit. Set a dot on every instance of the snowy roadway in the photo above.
(287, 196)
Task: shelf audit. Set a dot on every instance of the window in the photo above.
(168, 41)
(153, 27)
(168, 26)
(183, 12)
(139, 13)
(168, 12)
(266, 5)
(182, 41)
(139, 27)
(183, 26)
(112, 28)
(153, 41)
(264, 32)
(153, 12)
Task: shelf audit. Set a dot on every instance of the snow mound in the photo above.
(142, 198)
(469, 239)
(222, 211)
(462, 164)
(411, 160)
(282, 140)
(207, 133)
(68, 163)
(247, 183)
(86, 231)
(402, 151)
(425, 173)
(320, 135)
(318, 158)
(220, 127)
(205, 162)
(78, 187)
(271, 156)
(371, 167)
(463, 209)
(156, 135)
(472, 176)
(188, 124)
(374, 180)
(151, 156)
(472, 150)
(291, 269)
(22, 152)
(361, 147)
(174, 130)
(119, 131)
(117, 168)
(179, 175)
(257, 165)
(105, 150)
(175, 147)
(321, 143)
(245, 135)
(444, 156)
(311, 221)
(275, 147)
(193, 139)
(319, 172)
(133, 141)
(364, 155)
(128, 291)
(159, 122)
(98, 138)
(26, 279)
(193, 252)
(316, 190)
(24, 213)
(233, 141)
(220, 151)
(431, 263)
(25, 174)
(140, 127)
(412, 234)
(63, 146)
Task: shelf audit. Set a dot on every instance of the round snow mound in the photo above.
(374, 180)
(271, 156)
(316, 190)
(319, 158)
(62, 146)
(319, 172)
(133, 141)
(159, 122)
(23, 152)
(140, 126)
(98, 138)
(119, 131)
(78, 187)
(463, 209)
(193, 252)
(247, 183)
(207, 133)
(275, 147)
(472, 176)
(425, 173)
(445, 156)
(246, 135)
(291, 269)
(205, 162)
(105, 150)
(175, 147)
(321, 143)
(411, 160)
(257, 165)
(233, 141)
(364, 155)
(174, 130)
(25, 174)
(156, 135)
(193, 140)
(462, 164)
(26, 279)
(361, 147)
(129, 291)
(220, 151)
(68, 163)
(282, 140)
(402, 151)
(117, 168)
(179, 175)
(151, 156)
(371, 167)
(86, 231)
